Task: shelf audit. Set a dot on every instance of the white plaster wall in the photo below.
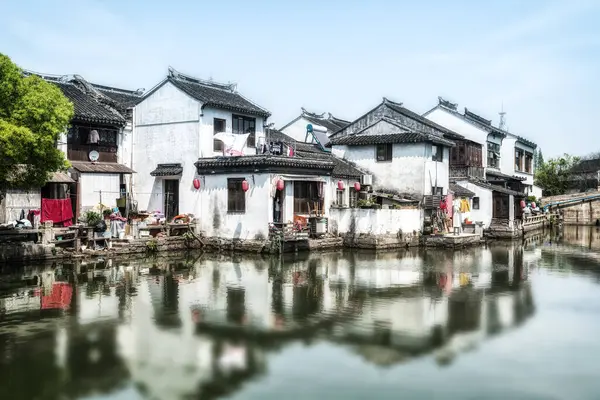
(297, 130)
(507, 156)
(17, 200)
(406, 171)
(166, 131)
(332, 189)
(462, 127)
(376, 222)
(207, 130)
(484, 213)
(125, 143)
(212, 207)
(437, 171)
(90, 186)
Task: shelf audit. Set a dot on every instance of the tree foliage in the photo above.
(554, 175)
(538, 160)
(33, 114)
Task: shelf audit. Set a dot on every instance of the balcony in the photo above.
(80, 152)
(463, 172)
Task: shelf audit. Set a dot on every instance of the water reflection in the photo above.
(173, 328)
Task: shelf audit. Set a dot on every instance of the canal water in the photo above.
(509, 321)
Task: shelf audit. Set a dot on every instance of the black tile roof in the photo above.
(591, 165)
(461, 191)
(342, 168)
(496, 188)
(398, 107)
(404, 137)
(330, 122)
(101, 167)
(94, 103)
(262, 163)
(496, 174)
(214, 94)
(167, 170)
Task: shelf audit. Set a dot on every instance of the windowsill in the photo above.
(236, 212)
(523, 172)
(384, 161)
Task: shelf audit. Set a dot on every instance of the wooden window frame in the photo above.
(438, 156)
(236, 197)
(218, 145)
(236, 129)
(387, 149)
(476, 204)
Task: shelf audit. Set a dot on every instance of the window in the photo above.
(529, 163)
(340, 197)
(219, 125)
(242, 125)
(518, 160)
(236, 197)
(493, 155)
(307, 196)
(475, 203)
(437, 191)
(437, 153)
(81, 135)
(353, 203)
(384, 152)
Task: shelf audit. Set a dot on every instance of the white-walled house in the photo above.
(97, 144)
(175, 126)
(508, 156)
(404, 152)
(322, 126)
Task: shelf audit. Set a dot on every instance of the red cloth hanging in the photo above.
(59, 211)
(60, 297)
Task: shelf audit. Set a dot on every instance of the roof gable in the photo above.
(391, 111)
(212, 94)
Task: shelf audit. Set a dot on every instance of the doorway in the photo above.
(278, 206)
(171, 198)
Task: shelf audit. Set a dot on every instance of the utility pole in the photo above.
(502, 124)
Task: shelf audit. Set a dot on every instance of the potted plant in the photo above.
(106, 213)
(92, 218)
(364, 203)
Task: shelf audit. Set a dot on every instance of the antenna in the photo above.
(502, 124)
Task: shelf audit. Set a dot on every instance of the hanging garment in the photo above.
(464, 206)
(449, 204)
(59, 211)
(94, 137)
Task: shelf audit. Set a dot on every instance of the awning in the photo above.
(101, 167)
(60, 177)
(309, 178)
(167, 170)
(461, 191)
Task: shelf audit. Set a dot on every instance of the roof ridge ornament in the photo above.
(313, 115)
(386, 100)
(174, 74)
(448, 104)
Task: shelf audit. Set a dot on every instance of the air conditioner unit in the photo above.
(366, 180)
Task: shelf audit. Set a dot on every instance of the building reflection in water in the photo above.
(188, 327)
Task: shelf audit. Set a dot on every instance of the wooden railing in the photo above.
(466, 172)
(534, 220)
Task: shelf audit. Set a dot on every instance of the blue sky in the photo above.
(538, 58)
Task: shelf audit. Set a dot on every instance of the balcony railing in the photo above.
(467, 172)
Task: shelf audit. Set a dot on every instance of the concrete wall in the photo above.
(408, 172)
(484, 214)
(375, 222)
(16, 200)
(90, 186)
(582, 213)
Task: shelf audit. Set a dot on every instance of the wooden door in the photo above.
(171, 198)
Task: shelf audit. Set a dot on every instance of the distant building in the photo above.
(322, 127)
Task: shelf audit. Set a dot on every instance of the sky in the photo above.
(537, 60)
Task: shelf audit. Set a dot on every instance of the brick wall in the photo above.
(582, 213)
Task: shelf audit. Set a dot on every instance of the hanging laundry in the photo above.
(449, 204)
(464, 206)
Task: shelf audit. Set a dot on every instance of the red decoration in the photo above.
(197, 183)
(280, 184)
(340, 185)
(533, 205)
(523, 204)
(245, 185)
(357, 186)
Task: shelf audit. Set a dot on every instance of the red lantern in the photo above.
(197, 183)
(340, 185)
(357, 186)
(533, 205)
(280, 184)
(522, 203)
(245, 185)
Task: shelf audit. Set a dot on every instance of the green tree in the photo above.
(539, 160)
(554, 175)
(33, 114)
